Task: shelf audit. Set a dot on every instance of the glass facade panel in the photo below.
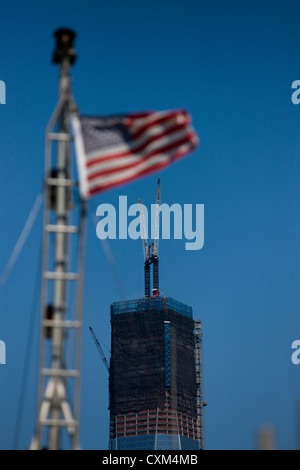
(144, 442)
(154, 442)
(167, 442)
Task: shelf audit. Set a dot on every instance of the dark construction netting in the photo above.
(137, 366)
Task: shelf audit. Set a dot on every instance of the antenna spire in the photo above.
(151, 250)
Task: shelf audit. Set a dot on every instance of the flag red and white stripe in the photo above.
(115, 150)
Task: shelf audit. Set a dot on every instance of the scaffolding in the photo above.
(158, 304)
(153, 375)
(199, 381)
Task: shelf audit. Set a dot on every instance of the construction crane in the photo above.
(147, 251)
(99, 348)
(151, 250)
(156, 243)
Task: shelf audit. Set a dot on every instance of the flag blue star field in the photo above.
(114, 150)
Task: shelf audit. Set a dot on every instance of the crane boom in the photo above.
(143, 232)
(147, 251)
(99, 348)
(151, 249)
(154, 258)
(157, 219)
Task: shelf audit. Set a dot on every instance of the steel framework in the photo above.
(151, 249)
(58, 396)
(199, 380)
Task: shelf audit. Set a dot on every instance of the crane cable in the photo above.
(110, 258)
(22, 239)
(27, 356)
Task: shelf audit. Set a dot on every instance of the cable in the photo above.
(110, 259)
(27, 356)
(22, 239)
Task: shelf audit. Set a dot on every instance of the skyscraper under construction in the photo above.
(155, 382)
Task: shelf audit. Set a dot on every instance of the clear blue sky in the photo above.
(231, 64)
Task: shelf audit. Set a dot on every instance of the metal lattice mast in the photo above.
(59, 383)
(199, 381)
(151, 250)
(147, 251)
(155, 259)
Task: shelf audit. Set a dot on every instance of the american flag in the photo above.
(114, 150)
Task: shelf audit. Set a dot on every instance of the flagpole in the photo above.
(55, 409)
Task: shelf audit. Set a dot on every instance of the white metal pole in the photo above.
(55, 409)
